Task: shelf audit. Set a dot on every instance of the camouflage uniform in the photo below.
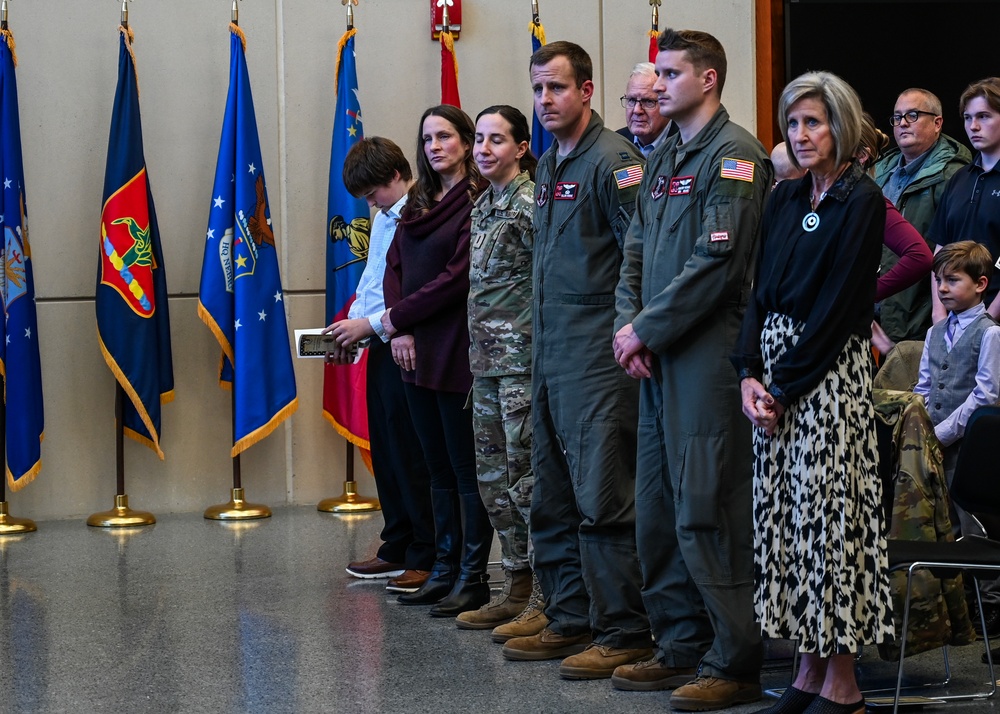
(938, 612)
(500, 359)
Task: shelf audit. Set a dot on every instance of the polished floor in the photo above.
(192, 615)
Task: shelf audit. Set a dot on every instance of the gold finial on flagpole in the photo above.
(3, 15)
(656, 13)
(236, 14)
(124, 22)
(350, 12)
(444, 16)
(534, 11)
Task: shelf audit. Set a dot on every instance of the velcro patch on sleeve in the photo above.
(629, 176)
(737, 169)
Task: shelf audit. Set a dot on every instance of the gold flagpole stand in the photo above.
(349, 501)
(121, 516)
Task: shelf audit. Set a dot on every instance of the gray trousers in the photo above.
(582, 509)
(694, 530)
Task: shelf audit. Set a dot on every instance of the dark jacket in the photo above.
(427, 284)
(907, 314)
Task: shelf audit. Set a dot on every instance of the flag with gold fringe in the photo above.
(240, 297)
(540, 138)
(19, 358)
(449, 70)
(133, 324)
(348, 229)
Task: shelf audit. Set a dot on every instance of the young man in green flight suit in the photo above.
(685, 282)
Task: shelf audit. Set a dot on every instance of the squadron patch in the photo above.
(681, 185)
(659, 187)
(565, 191)
(543, 195)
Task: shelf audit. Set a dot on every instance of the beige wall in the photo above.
(66, 77)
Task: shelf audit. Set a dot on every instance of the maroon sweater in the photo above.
(427, 285)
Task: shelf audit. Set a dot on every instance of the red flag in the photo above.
(449, 71)
(654, 37)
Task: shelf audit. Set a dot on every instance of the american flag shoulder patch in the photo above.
(737, 169)
(629, 176)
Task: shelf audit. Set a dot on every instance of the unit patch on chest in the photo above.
(543, 195)
(681, 185)
(565, 191)
(659, 187)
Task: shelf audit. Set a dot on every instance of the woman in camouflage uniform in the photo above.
(500, 351)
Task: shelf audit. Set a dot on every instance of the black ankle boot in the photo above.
(448, 546)
(472, 589)
(434, 589)
(468, 594)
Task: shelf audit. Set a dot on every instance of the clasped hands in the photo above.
(631, 355)
(759, 406)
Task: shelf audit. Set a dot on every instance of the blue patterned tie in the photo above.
(949, 334)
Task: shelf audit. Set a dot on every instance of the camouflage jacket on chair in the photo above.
(938, 612)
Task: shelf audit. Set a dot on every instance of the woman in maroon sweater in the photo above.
(426, 289)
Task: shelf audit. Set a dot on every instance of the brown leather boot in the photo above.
(504, 607)
(531, 621)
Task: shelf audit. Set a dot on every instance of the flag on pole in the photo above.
(348, 228)
(449, 70)
(654, 38)
(19, 361)
(240, 297)
(540, 139)
(133, 324)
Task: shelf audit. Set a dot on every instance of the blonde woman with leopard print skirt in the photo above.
(805, 371)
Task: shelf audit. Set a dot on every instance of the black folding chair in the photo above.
(976, 489)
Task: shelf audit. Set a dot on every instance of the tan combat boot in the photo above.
(531, 621)
(504, 607)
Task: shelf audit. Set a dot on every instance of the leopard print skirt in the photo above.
(820, 550)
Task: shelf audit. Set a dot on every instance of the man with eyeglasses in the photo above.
(913, 176)
(645, 127)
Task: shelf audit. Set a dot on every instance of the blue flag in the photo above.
(348, 228)
(540, 138)
(240, 297)
(133, 324)
(19, 362)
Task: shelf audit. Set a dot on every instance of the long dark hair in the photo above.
(428, 184)
(518, 130)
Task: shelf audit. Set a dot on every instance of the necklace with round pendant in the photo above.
(811, 220)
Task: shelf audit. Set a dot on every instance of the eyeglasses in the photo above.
(647, 104)
(910, 116)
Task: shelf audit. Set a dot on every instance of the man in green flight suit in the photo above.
(685, 282)
(585, 409)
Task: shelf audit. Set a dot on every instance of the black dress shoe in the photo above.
(434, 590)
(468, 594)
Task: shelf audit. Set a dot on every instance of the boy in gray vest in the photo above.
(960, 364)
(960, 371)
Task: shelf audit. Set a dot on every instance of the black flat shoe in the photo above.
(792, 701)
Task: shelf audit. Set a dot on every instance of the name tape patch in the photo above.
(681, 185)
